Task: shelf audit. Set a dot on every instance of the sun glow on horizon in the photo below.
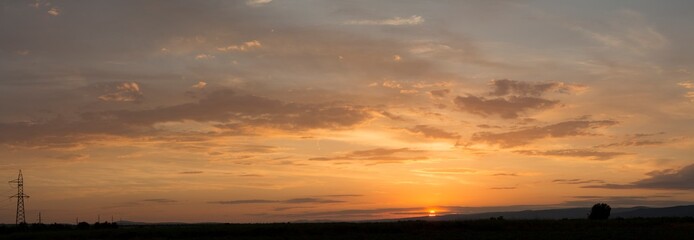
(432, 213)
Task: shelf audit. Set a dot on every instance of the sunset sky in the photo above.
(278, 110)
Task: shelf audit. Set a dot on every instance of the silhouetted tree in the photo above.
(83, 225)
(600, 211)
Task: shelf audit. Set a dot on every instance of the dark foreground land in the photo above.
(647, 228)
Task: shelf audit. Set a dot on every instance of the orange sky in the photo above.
(262, 110)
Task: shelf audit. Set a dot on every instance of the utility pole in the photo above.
(39, 217)
(20, 217)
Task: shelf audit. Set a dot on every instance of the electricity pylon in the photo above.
(21, 217)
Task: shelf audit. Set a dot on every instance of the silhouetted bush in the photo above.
(600, 211)
(83, 225)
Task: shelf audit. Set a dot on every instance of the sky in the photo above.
(275, 110)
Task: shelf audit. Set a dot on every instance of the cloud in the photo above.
(203, 56)
(379, 155)
(588, 153)
(505, 175)
(396, 21)
(576, 181)
(288, 201)
(121, 92)
(246, 46)
(511, 98)
(342, 195)
(439, 93)
(682, 179)
(504, 87)
(652, 200)
(191, 172)
(630, 31)
(250, 175)
(160, 200)
(311, 200)
(257, 3)
(526, 136)
(432, 132)
(637, 140)
(200, 85)
(225, 106)
(509, 107)
(251, 201)
(689, 85)
(54, 11)
(632, 143)
(359, 213)
(71, 156)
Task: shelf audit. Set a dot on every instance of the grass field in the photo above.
(648, 228)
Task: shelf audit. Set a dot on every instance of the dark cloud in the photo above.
(576, 181)
(358, 213)
(226, 105)
(526, 136)
(71, 156)
(120, 92)
(250, 175)
(220, 106)
(503, 188)
(311, 200)
(251, 201)
(511, 98)
(681, 179)
(582, 153)
(503, 87)
(160, 200)
(649, 200)
(505, 175)
(280, 209)
(288, 201)
(379, 155)
(433, 132)
(439, 93)
(632, 143)
(509, 107)
(342, 195)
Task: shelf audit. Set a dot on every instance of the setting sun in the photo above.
(432, 213)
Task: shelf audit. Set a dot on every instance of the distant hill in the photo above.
(571, 213)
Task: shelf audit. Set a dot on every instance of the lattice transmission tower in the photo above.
(21, 217)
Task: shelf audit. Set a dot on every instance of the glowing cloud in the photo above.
(246, 46)
(396, 21)
(54, 11)
(200, 85)
(123, 92)
(257, 3)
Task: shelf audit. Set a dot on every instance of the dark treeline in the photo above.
(37, 227)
